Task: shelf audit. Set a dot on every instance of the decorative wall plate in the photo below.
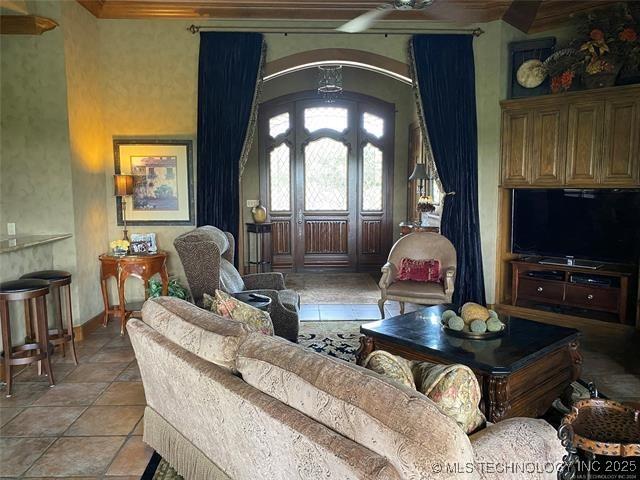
(531, 74)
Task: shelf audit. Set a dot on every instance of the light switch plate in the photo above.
(252, 203)
(11, 229)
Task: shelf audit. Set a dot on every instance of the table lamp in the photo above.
(419, 173)
(123, 187)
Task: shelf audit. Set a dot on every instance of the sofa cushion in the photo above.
(203, 333)
(400, 424)
(230, 279)
(455, 389)
(230, 307)
(411, 288)
(395, 368)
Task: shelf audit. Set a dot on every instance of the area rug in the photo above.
(334, 288)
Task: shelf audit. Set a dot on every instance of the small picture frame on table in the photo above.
(143, 243)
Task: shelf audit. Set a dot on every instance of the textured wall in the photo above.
(86, 130)
(35, 173)
(149, 76)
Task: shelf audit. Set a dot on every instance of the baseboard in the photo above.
(82, 331)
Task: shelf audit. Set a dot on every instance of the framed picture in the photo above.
(163, 181)
(519, 54)
(143, 243)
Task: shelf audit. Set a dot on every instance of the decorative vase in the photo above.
(259, 213)
(601, 79)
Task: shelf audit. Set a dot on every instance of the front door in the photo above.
(326, 180)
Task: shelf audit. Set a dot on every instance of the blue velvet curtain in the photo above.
(229, 68)
(444, 70)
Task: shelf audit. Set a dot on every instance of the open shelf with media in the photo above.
(601, 294)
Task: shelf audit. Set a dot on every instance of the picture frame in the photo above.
(163, 181)
(522, 51)
(143, 243)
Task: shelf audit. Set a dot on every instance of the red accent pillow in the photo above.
(419, 270)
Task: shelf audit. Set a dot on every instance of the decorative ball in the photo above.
(472, 311)
(478, 326)
(493, 314)
(455, 323)
(447, 314)
(494, 325)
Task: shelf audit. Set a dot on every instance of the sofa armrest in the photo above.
(389, 273)
(526, 443)
(270, 281)
(449, 280)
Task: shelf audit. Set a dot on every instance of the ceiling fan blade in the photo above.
(366, 20)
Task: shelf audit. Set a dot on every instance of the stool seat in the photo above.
(52, 276)
(23, 286)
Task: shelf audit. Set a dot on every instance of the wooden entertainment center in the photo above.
(588, 140)
(568, 288)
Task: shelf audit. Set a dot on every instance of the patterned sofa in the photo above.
(225, 402)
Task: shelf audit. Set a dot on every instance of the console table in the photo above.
(139, 266)
(552, 285)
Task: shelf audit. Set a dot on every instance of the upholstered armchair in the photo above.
(418, 246)
(207, 255)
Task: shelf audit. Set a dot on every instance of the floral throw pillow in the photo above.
(230, 307)
(419, 270)
(454, 389)
(395, 368)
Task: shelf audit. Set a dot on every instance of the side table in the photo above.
(262, 262)
(139, 266)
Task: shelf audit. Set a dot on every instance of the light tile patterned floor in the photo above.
(89, 425)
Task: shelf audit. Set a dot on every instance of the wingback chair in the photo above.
(418, 246)
(207, 254)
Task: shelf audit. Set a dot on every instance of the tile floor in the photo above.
(89, 425)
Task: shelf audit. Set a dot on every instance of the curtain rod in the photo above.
(476, 32)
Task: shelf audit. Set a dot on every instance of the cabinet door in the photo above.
(584, 142)
(620, 162)
(516, 147)
(549, 146)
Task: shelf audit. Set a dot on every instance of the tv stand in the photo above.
(603, 295)
(571, 262)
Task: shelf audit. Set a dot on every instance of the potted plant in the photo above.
(175, 289)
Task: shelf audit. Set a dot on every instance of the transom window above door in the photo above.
(326, 179)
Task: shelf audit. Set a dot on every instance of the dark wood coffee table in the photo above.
(520, 374)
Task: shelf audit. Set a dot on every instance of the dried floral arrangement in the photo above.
(607, 43)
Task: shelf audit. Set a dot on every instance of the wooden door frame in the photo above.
(376, 106)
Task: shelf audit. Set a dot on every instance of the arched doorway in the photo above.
(326, 173)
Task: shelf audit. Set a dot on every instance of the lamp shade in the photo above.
(419, 172)
(122, 185)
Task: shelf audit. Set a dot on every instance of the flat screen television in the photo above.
(601, 225)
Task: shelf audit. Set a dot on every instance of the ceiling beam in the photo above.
(522, 13)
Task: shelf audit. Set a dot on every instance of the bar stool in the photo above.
(32, 292)
(63, 333)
